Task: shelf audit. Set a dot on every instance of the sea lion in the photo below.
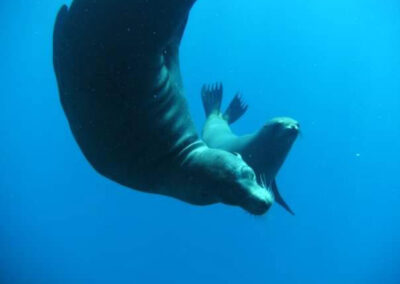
(264, 151)
(117, 68)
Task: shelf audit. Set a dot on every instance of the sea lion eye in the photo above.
(238, 155)
(248, 173)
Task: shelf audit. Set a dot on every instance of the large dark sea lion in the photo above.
(264, 151)
(117, 67)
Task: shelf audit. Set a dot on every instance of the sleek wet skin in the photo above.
(117, 67)
(265, 150)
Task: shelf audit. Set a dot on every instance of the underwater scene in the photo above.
(184, 141)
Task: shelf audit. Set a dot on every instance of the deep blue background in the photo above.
(334, 65)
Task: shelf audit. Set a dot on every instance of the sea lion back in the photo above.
(117, 68)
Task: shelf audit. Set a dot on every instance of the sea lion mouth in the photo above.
(281, 127)
(260, 199)
(290, 127)
(295, 127)
(289, 131)
(257, 205)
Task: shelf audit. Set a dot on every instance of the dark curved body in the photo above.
(114, 61)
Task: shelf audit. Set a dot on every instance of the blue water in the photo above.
(333, 65)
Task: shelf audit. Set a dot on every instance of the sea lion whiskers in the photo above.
(268, 187)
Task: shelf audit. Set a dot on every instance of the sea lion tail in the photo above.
(211, 96)
(279, 199)
(236, 109)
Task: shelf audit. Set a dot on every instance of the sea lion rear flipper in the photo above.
(279, 199)
(236, 109)
(211, 96)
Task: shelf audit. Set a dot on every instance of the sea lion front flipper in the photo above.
(236, 109)
(211, 95)
(279, 199)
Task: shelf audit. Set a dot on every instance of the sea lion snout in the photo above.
(237, 183)
(282, 126)
(292, 129)
(286, 123)
(259, 201)
(293, 126)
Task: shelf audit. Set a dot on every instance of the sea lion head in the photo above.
(279, 134)
(241, 187)
(282, 130)
(231, 181)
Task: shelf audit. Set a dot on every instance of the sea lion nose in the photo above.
(294, 126)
